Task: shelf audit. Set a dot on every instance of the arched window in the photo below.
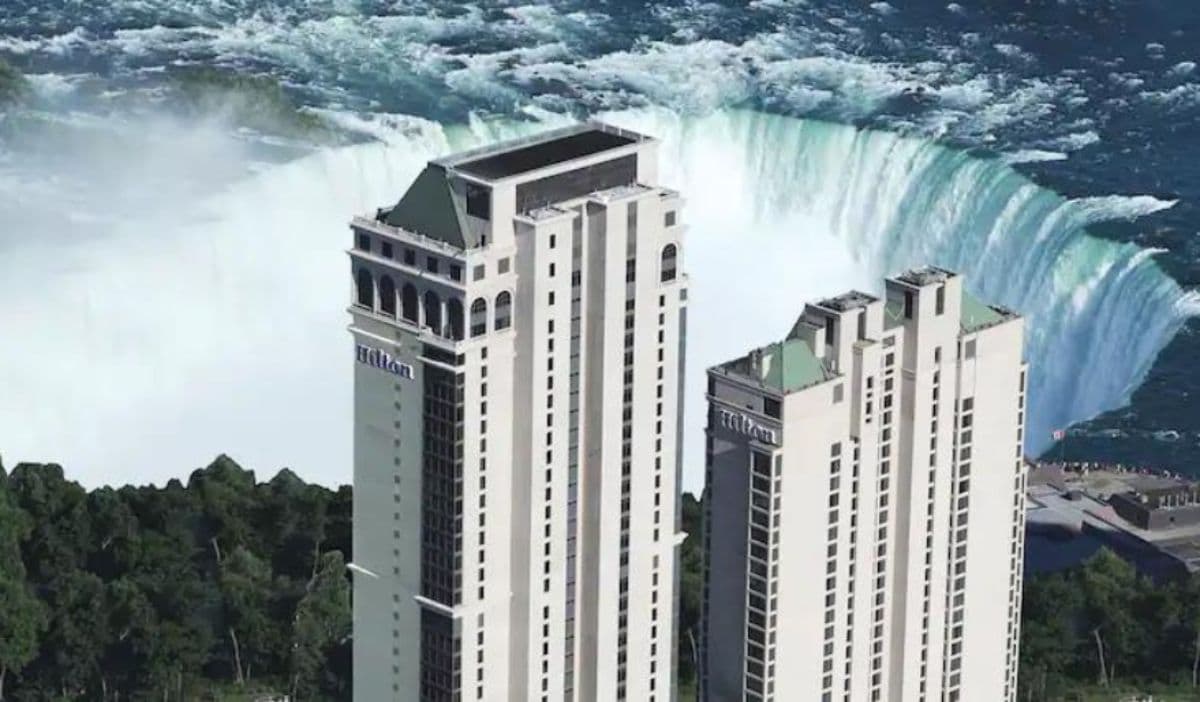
(479, 317)
(503, 310)
(387, 296)
(433, 312)
(669, 254)
(409, 303)
(366, 288)
(454, 311)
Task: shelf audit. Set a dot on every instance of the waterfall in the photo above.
(1097, 311)
(219, 325)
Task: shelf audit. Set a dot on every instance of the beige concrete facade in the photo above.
(864, 517)
(516, 452)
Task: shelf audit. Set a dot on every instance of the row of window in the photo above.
(397, 390)
(882, 511)
(956, 563)
(1016, 562)
(572, 454)
(658, 494)
(626, 466)
(430, 311)
(762, 570)
(927, 575)
(548, 495)
(432, 264)
(835, 468)
(482, 534)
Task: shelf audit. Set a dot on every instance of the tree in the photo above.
(130, 619)
(322, 622)
(1109, 585)
(292, 515)
(22, 619)
(114, 533)
(22, 616)
(1049, 635)
(76, 633)
(691, 585)
(246, 591)
(224, 496)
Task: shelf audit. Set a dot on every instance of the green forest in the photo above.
(216, 589)
(227, 588)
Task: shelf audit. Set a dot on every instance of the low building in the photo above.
(1149, 518)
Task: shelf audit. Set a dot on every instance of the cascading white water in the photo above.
(220, 328)
(1098, 311)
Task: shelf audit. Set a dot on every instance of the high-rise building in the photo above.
(864, 521)
(519, 323)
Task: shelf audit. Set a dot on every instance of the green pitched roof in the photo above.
(785, 366)
(431, 208)
(976, 315)
(801, 367)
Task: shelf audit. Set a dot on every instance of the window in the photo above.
(829, 331)
(479, 201)
(669, 256)
(478, 317)
(366, 288)
(455, 272)
(838, 391)
(408, 303)
(433, 311)
(478, 273)
(454, 313)
(908, 305)
(387, 296)
(669, 219)
(770, 406)
(969, 349)
(385, 248)
(503, 309)
(410, 257)
(431, 264)
(502, 266)
(941, 300)
(364, 242)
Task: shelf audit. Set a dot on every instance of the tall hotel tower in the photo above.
(864, 503)
(519, 322)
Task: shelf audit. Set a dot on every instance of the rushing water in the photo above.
(171, 288)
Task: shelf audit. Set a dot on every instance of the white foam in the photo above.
(1107, 208)
(1013, 51)
(1180, 97)
(1033, 156)
(52, 86)
(1077, 140)
(59, 44)
(1183, 68)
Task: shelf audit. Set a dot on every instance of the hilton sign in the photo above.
(744, 424)
(383, 360)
